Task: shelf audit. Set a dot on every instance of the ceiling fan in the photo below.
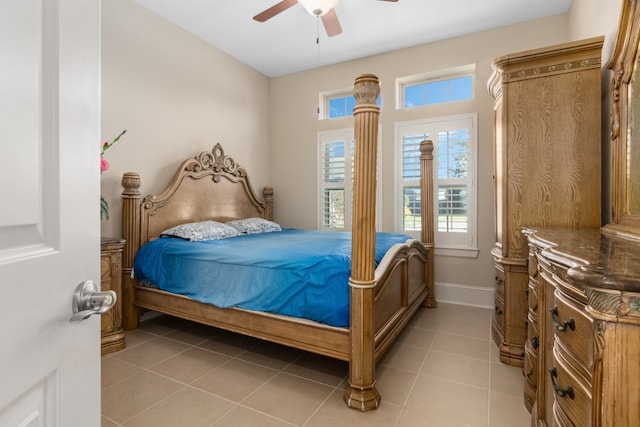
(325, 9)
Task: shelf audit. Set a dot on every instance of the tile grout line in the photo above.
(439, 332)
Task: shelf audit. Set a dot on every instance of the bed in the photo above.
(383, 293)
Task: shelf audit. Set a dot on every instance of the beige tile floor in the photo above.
(442, 371)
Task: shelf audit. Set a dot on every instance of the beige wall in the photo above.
(177, 96)
(588, 18)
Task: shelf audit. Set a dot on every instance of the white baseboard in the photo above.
(475, 296)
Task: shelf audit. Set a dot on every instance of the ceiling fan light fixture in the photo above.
(318, 7)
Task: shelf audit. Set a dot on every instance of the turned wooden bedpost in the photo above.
(130, 232)
(267, 195)
(427, 219)
(361, 392)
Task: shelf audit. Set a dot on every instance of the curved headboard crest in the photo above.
(217, 161)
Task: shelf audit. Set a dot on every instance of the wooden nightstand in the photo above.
(111, 279)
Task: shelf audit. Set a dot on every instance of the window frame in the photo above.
(447, 243)
(432, 77)
(326, 97)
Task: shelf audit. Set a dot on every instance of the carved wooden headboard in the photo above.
(209, 186)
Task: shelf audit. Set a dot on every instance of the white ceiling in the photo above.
(287, 42)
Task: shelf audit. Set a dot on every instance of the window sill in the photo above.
(457, 252)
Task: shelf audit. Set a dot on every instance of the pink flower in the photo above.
(104, 165)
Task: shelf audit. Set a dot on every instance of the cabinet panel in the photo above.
(499, 281)
(106, 319)
(112, 334)
(510, 316)
(499, 313)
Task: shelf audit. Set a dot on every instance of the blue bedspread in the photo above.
(300, 273)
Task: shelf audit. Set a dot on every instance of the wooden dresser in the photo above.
(547, 146)
(584, 329)
(111, 279)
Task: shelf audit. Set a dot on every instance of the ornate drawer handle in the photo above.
(498, 280)
(562, 392)
(562, 326)
(535, 343)
(498, 311)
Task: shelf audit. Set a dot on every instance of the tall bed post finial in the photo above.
(361, 392)
(427, 219)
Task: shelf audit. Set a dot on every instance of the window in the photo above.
(449, 85)
(335, 180)
(342, 106)
(339, 104)
(454, 165)
(438, 91)
(336, 149)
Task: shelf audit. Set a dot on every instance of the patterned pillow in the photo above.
(254, 225)
(205, 230)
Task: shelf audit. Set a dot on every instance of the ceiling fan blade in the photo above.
(331, 23)
(274, 10)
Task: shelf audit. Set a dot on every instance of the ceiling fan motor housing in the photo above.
(318, 7)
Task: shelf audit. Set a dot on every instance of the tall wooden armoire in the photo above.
(547, 146)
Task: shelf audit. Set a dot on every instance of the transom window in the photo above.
(342, 106)
(453, 84)
(339, 104)
(435, 92)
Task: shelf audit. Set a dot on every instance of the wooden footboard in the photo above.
(382, 300)
(401, 288)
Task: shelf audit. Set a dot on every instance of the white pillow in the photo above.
(204, 230)
(254, 225)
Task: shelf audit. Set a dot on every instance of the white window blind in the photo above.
(335, 182)
(336, 151)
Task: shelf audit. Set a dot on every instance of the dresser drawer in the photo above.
(500, 277)
(559, 268)
(573, 398)
(574, 331)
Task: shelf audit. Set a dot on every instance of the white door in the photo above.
(49, 215)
